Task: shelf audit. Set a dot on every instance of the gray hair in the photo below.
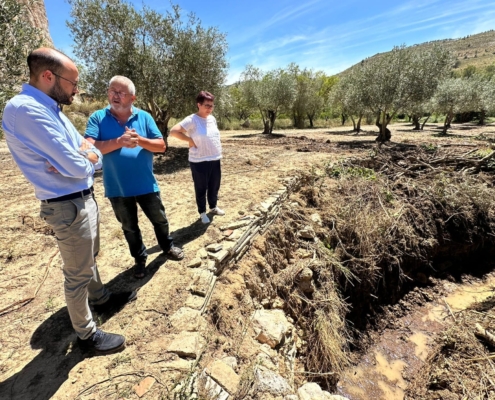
(123, 81)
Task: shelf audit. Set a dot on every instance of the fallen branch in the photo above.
(488, 336)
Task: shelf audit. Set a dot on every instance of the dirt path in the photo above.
(36, 355)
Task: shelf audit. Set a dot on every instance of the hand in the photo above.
(130, 138)
(86, 145)
(51, 168)
(191, 143)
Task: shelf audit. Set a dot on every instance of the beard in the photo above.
(57, 93)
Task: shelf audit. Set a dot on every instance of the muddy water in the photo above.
(399, 353)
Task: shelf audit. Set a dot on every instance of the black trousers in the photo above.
(206, 176)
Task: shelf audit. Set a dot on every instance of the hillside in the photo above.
(477, 50)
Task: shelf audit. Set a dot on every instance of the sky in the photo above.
(316, 34)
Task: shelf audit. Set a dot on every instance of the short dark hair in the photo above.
(40, 60)
(203, 95)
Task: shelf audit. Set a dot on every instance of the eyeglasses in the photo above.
(74, 84)
(112, 93)
(208, 105)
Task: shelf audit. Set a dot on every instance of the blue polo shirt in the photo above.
(126, 172)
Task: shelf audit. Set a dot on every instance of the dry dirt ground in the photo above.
(38, 359)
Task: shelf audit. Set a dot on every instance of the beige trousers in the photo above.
(76, 226)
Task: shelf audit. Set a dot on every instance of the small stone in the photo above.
(310, 391)
(241, 212)
(211, 266)
(187, 319)
(220, 256)
(228, 232)
(306, 274)
(194, 263)
(278, 303)
(214, 247)
(194, 302)
(235, 225)
(228, 245)
(316, 218)
(230, 361)
(257, 213)
(306, 233)
(201, 282)
(224, 375)
(202, 253)
(270, 326)
(144, 386)
(269, 381)
(214, 390)
(187, 344)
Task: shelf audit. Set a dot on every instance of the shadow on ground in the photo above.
(41, 378)
(173, 160)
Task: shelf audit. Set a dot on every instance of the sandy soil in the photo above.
(37, 358)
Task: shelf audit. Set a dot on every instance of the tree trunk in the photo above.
(446, 124)
(416, 122)
(344, 118)
(424, 122)
(482, 117)
(353, 123)
(358, 126)
(266, 129)
(385, 134)
(266, 122)
(311, 117)
(272, 117)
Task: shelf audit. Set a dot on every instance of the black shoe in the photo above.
(115, 302)
(102, 342)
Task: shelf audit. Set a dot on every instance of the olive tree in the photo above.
(312, 91)
(17, 39)
(169, 57)
(270, 92)
(397, 80)
(346, 96)
(453, 96)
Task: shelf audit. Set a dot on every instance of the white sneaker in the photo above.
(217, 211)
(204, 218)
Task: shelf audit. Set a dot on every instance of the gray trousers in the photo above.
(76, 226)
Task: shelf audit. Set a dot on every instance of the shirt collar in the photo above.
(40, 96)
(134, 111)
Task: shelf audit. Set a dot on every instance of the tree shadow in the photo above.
(173, 160)
(261, 136)
(42, 377)
(357, 144)
(352, 132)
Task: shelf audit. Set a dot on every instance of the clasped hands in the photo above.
(130, 138)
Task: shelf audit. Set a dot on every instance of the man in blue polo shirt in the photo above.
(128, 137)
(60, 165)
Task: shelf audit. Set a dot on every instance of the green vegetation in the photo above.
(169, 57)
(17, 39)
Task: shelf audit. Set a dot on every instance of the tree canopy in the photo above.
(270, 92)
(17, 40)
(169, 57)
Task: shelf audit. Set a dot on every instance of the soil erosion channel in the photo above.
(380, 372)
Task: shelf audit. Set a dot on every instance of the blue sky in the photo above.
(316, 34)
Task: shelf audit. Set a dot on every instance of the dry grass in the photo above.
(460, 363)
